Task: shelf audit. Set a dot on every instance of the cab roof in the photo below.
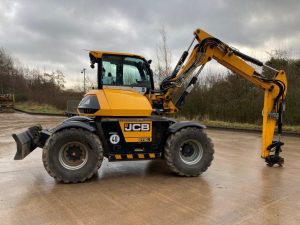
(99, 54)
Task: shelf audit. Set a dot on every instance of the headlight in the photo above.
(89, 105)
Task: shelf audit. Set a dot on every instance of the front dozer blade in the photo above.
(26, 141)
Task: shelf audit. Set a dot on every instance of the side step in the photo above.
(139, 156)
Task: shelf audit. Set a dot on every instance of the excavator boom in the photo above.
(208, 48)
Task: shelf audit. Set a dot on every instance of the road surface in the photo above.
(237, 189)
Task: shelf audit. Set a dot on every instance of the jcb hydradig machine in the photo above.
(123, 119)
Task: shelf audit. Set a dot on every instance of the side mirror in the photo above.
(92, 65)
(149, 61)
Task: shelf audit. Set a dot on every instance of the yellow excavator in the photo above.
(125, 118)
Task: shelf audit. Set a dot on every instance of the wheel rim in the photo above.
(73, 155)
(191, 152)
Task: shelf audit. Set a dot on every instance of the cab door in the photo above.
(126, 73)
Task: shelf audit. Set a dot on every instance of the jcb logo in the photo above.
(137, 127)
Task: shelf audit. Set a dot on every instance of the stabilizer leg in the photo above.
(275, 147)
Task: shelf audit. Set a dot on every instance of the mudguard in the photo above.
(74, 124)
(83, 122)
(179, 125)
(79, 118)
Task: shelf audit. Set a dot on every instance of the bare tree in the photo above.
(163, 56)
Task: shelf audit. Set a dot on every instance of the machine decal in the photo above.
(144, 139)
(136, 127)
(114, 139)
(136, 130)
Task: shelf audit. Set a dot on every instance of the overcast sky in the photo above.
(52, 34)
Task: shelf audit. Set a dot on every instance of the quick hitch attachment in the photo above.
(275, 147)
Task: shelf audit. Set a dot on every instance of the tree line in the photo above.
(34, 84)
(225, 97)
(229, 97)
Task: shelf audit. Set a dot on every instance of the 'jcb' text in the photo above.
(137, 127)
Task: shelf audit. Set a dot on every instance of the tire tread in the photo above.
(50, 142)
(168, 151)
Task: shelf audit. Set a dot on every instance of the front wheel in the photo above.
(72, 155)
(189, 152)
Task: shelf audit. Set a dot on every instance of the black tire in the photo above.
(59, 150)
(192, 162)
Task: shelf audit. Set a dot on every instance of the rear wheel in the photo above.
(72, 155)
(189, 152)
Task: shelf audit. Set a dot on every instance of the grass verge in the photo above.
(37, 108)
(235, 125)
(245, 126)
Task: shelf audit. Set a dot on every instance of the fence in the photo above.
(72, 107)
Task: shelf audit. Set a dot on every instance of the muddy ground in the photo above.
(237, 189)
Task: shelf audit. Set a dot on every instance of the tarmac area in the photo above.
(238, 188)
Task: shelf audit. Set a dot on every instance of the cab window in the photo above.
(125, 71)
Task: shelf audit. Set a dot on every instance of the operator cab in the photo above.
(122, 71)
(125, 82)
